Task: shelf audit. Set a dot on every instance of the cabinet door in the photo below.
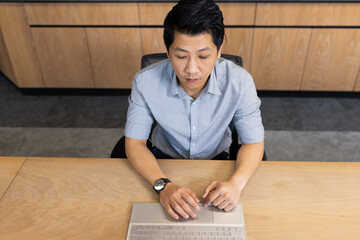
(357, 86)
(333, 60)
(238, 42)
(308, 14)
(115, 55)
(278, 57)
(17, 48)
(152, 40)
(90, 13)
(64, 57)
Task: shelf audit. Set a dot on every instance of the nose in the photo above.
(192, 66)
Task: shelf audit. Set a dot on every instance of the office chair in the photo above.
(146, 60)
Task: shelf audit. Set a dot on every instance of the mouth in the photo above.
(192, 80)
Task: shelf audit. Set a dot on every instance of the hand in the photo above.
(224, 195)
(177, 201)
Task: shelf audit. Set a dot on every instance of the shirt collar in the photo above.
(212, 86)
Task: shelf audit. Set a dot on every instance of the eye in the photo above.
(180, 57)
(203, 57)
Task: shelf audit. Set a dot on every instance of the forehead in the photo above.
(182, 41)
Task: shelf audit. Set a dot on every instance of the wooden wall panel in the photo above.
(64, 57)
(152, 40)
(238, 13)
(154, 13)
(115, 55)
(357, 86)
(333, 60)
(5, 64)
(234, 13)
(19, 43)
(308, 14)
(82, 13)
(279, 57)
(238, 42)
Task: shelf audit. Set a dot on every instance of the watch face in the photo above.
(159, 184)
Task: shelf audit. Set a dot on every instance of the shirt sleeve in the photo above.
(139, 117)
(247, 119)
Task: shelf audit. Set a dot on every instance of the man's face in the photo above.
(193, 58)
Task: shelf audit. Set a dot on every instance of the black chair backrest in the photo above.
(149, 59)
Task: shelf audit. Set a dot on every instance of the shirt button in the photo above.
(194, 103)
(194, 127)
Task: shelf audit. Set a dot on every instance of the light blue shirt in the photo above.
(194, 128)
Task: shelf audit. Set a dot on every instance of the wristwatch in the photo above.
(160, 184)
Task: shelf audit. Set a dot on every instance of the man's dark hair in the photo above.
(194, 17)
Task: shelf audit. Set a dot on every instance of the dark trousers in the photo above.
(160, 155)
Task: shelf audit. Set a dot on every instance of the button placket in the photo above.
(193, 130)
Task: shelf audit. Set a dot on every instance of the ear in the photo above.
(220, 49)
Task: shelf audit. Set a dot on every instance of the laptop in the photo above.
(149, 221)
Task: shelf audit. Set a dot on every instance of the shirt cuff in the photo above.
(137, 131)
(254, 135)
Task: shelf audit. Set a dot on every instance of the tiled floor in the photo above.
(297, 128)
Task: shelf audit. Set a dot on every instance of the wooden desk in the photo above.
(68, 198)
(9, 167)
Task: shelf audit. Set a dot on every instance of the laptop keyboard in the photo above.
(161, 232)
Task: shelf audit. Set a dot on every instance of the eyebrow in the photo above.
(183, 50)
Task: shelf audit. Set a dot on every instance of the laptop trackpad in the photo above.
(204, 215)
(155, 213)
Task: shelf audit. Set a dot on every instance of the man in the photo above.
(194, 97)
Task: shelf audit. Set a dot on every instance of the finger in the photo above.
(193, 195)
(209, 189)
(171, 212)
(193, 202)
(224, 204)
(229, 207)
(187, 208)
(212, 196)
(178, 208)
(220, 199)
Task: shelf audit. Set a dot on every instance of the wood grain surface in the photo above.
(333, 60)
(153, 13)
(115, 55)
(238, 41)
(152, 40)
(59, 198)
(64, 57)
(9, 167)
(278, 57)
(238, 13)
(5, 63)
(308, 14)
(233, 13)
(19, 44)
(82, 13)
(357, 86)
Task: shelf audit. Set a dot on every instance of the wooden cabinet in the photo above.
(238, 42)
(18, 52)
(82, 13)
(278, 57)
(357, 86)
(308, 14)
(64, 57)
(154, 13)
(285, 46)
(5, 64)
(333, 60)
(115, 55)
(152, 40)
